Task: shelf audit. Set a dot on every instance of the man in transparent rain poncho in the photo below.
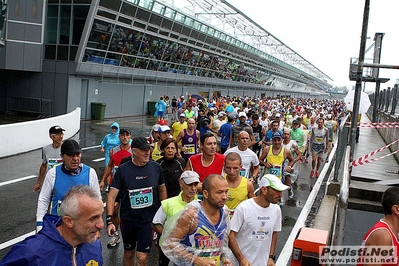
(198, 234)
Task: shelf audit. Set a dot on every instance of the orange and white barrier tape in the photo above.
(378, 125)
(364, 159)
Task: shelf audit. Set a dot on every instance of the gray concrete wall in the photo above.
(23, 36)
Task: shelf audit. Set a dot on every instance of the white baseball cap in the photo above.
(189, 177)
(272, 181)
(241, 114)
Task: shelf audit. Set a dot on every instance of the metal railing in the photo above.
(342, 200)
(343, 141)
(285, 255)
(39, 106)
(338, 154)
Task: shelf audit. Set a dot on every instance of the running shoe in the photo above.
(317, 174)
(115, 239)
(311, 174)
(291, 193)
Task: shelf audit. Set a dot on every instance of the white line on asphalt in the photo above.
(99, 159)
(91, 147)
(21, 238)
(16, 240)
(17, 180)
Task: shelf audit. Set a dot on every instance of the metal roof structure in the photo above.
(226, 17)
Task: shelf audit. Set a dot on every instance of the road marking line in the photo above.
(99, 159)
(16, 240)
(21, 238)
(17, 180)
(91, 147)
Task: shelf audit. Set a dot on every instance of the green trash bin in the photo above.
(151, 107)
(98, 111)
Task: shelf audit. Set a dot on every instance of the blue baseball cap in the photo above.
(277, 135)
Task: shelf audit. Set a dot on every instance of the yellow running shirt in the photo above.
(277, 161)
(236, 195)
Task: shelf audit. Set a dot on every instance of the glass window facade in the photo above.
(148, 35)
(64, 27)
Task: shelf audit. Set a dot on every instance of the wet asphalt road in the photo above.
(18, 202)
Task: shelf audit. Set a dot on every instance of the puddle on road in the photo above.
(288, 221)
(293, 203)
(303, 187)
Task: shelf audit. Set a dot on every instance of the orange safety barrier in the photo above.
(307, 245)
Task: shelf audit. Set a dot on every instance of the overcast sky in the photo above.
(327, 33)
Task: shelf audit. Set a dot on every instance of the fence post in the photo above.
(387, 98)
(394, 99)
(382, 100)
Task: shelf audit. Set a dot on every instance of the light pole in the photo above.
(358, 88)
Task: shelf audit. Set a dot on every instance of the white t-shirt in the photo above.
(248, 157)
(51, 156)
(217, 123)
(292, 146)
(265, 123)
(255, 226)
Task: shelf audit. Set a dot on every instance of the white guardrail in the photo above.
(31, 135)
(285, 255)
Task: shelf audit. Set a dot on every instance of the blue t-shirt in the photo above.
(225, 130)
(269, 135)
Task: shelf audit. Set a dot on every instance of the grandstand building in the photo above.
(63, 54)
